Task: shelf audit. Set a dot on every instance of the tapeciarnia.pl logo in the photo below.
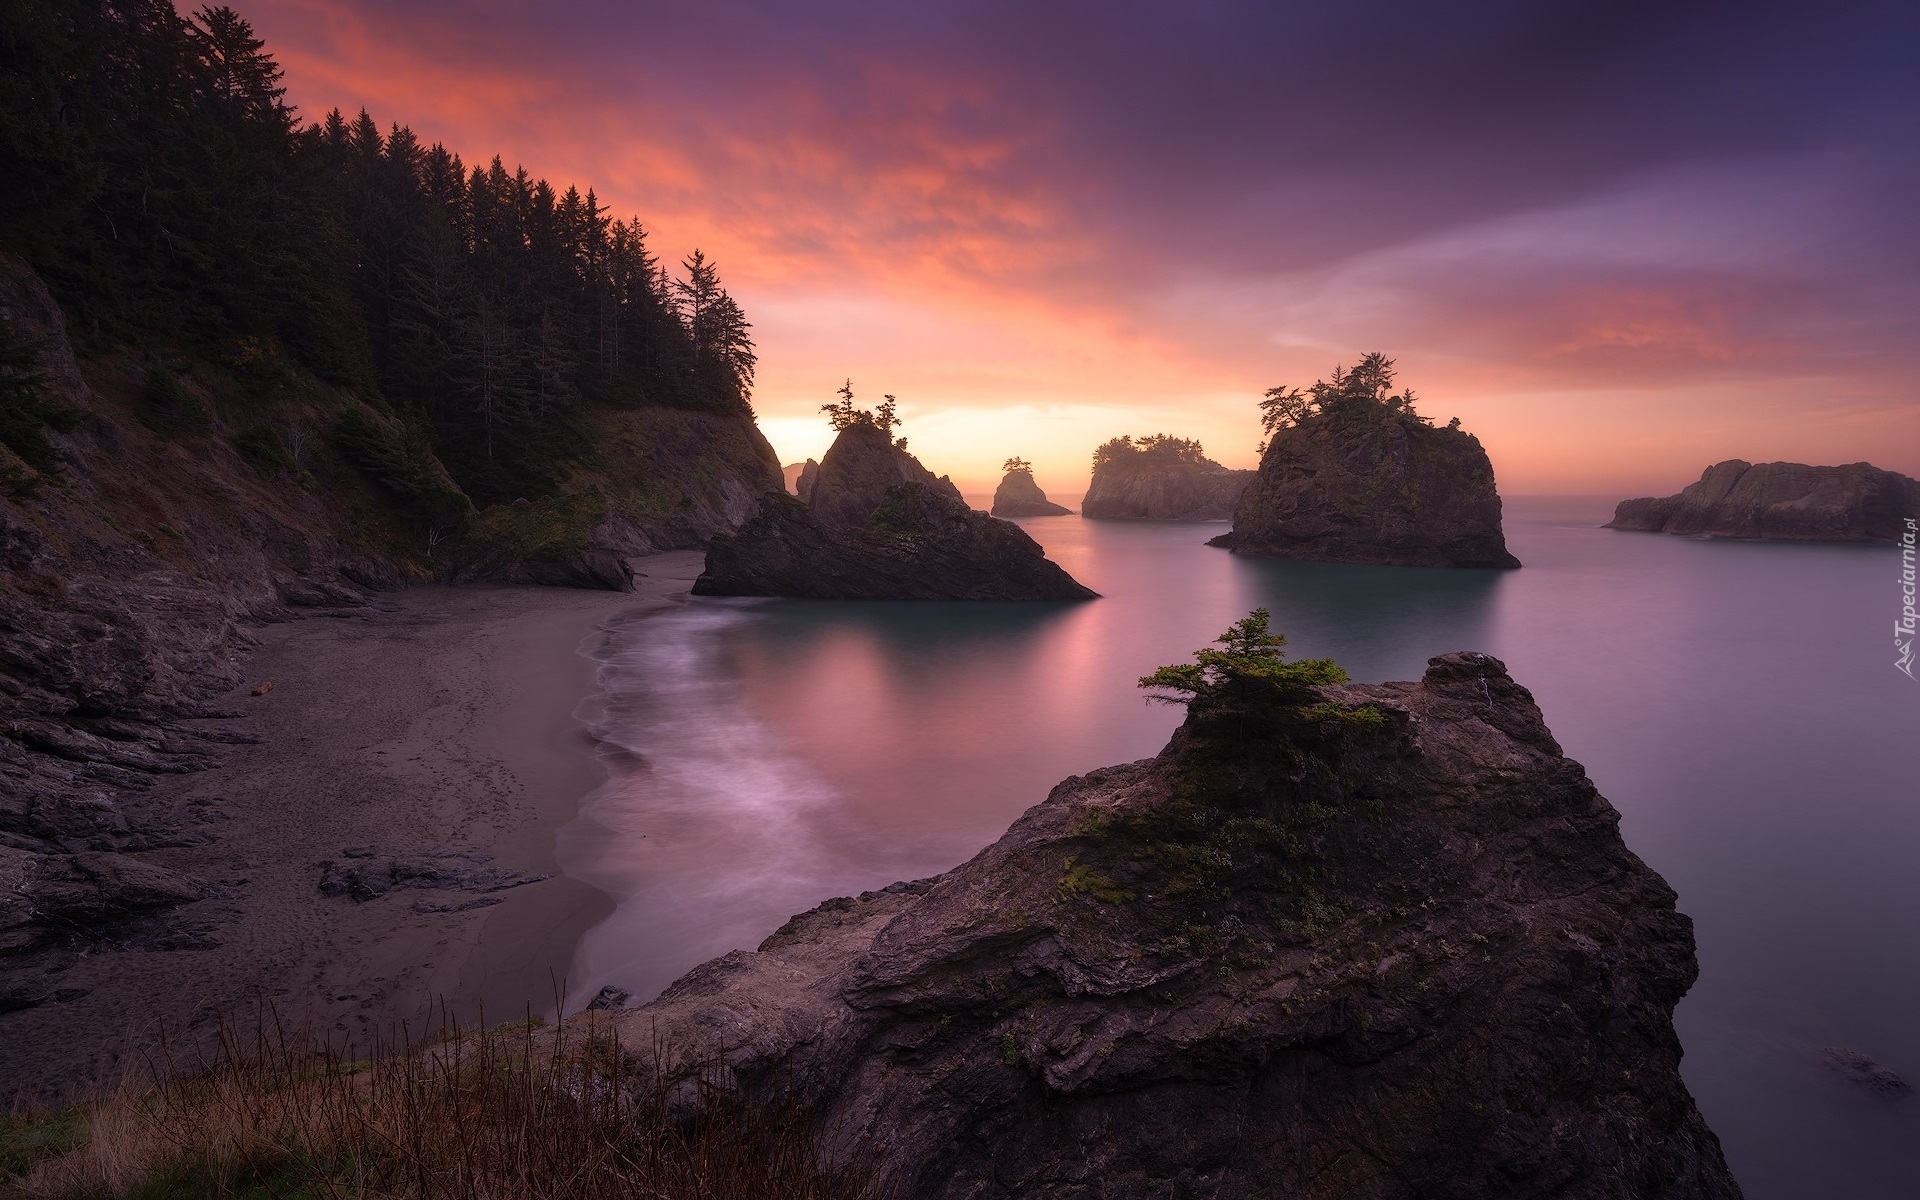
(1903, 628)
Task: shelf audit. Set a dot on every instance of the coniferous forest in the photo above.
(153, 174)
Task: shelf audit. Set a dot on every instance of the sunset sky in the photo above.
(1619, 240)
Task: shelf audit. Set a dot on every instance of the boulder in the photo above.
(1781, 501)
(1299, 954)
(880, 526)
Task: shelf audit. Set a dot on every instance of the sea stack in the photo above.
(876, 525)
(1160, 478)
(1019, 496)
(1370, 943)
(1351, 473)
(1781, 501)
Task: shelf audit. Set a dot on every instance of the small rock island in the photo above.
(1019, 496)
(877, 525)
(1352, 474)
(1335, 942)
(1781, 501)
(1160, 478)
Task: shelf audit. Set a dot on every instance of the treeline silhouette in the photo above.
(152, 173)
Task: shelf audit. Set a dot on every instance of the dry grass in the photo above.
(512, 1112)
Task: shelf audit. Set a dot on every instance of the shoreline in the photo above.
(435, 725)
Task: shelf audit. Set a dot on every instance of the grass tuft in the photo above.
(517, 1111)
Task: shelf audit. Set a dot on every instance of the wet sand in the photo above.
(432, 719)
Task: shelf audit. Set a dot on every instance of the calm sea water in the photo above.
(1737, 702)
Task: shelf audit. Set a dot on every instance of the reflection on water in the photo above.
(1736, 701)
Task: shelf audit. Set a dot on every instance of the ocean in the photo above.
(1736, 701)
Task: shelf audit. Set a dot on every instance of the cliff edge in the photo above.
(1781, 501)
(877, 525)
(1160, 478)
(1305, 951)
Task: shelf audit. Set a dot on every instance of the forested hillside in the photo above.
(152, 174)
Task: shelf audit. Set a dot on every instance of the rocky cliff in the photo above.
(1857, 502)
(1019, 496)
(1371, 485)
(658, 479)
(1142, 485)
(1299, 953)
(153, 508)
(877, 525)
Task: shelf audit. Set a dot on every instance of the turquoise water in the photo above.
(1737, 702)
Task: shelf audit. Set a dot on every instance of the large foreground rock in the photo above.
(1020, 496)
(1291, 956)
(1857, 502)
(1372, 487)
(879, 526)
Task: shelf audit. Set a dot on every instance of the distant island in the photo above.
(1780, 501)
(1019, 496)
(1352, 473)
(874, 524)
(1160, 477)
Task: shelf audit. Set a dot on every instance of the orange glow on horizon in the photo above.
(885, 248)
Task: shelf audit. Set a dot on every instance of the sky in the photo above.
(1619, 240)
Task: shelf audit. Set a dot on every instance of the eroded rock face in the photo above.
(879, 526)
(1204, 491)
(1857, 502)
(1019, 496)
(1377, 488)
(1290, 956)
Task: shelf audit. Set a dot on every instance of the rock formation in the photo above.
(1372, 485)
(1160, 478)
(1307, 951)
(800, 477)
(1781, 501)
(879, 526)
(1019, 496)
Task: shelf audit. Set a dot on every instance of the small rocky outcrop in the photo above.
(1781, 501)
(1019, 496)
(879, 526)
(1356, 476)
(1160, 478)
(1304, 951)
(1863, 1072)
(800, 476)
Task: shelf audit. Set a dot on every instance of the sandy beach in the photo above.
(434, 725)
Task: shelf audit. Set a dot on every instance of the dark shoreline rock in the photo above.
(1019, 496)
(1291, 955)
(879, 526)
(1780, 501)
(1372, 487)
